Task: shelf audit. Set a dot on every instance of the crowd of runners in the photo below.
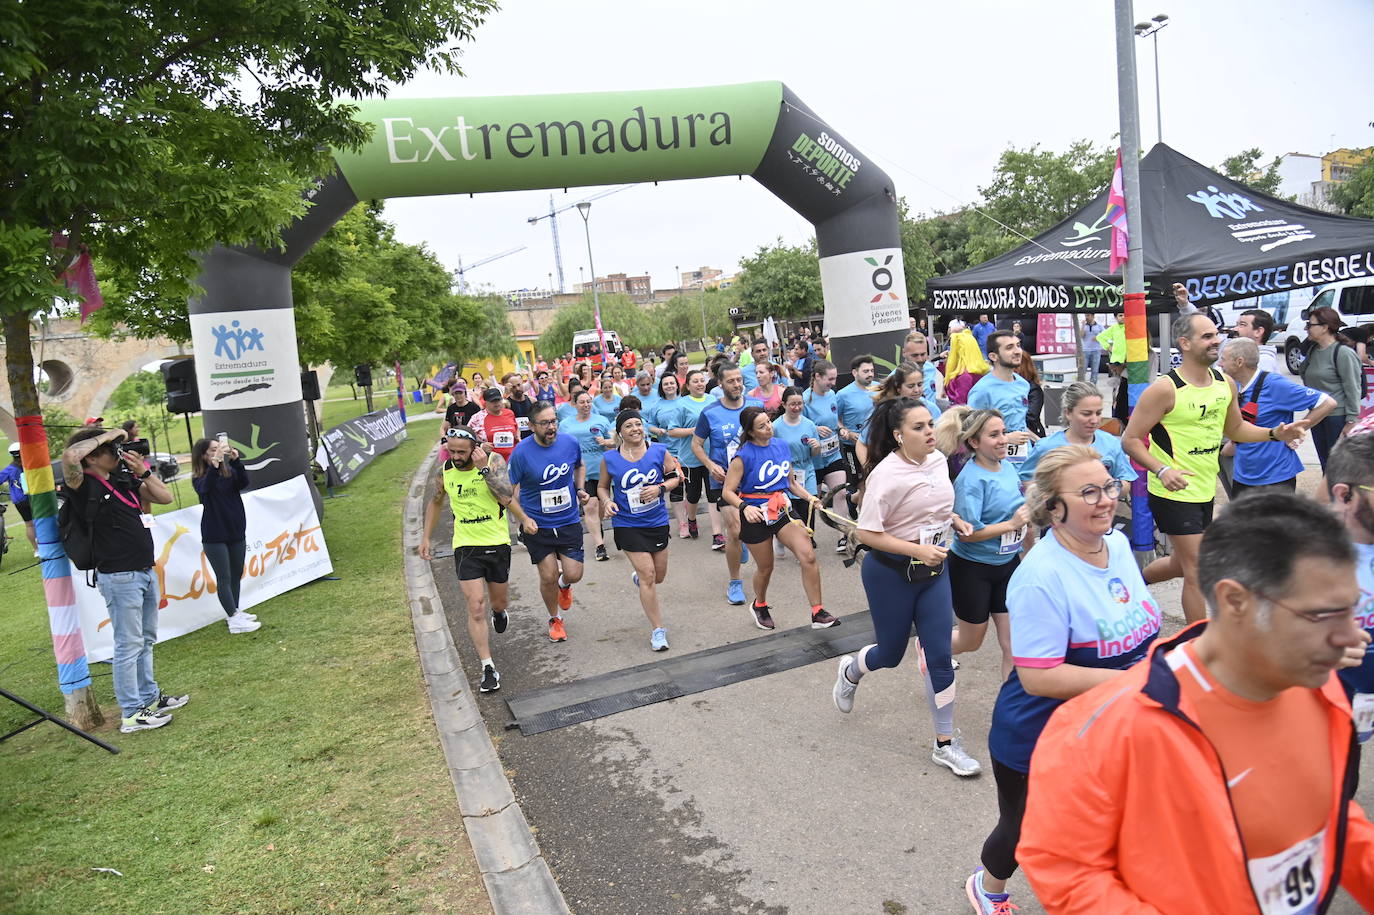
(964, 512)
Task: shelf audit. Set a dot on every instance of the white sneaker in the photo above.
(239, 623)
(779, 551)
(955, 759)
(246, 615)
(844, 689)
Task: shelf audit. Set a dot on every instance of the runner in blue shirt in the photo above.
(854, 402)
(1082, 405)
(1350, 485)
(758, 352)
(693, 401)
(592, 433)
(758, 485)
(607, 403)
(644, 390)
(1006, 392)
(547, 474)
(820, 406)
(803, 441)
(916, 350)
(1268, 465)
(663, 421)
(634, 479)
(714, 441)
(1080, 615)
(987, 494)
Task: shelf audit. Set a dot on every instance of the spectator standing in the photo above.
(1092, 347)
(981, 331)
(1332, 368)
(218, 477)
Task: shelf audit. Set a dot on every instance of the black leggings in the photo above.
(226, 559)
(696, 481)
(999, 849)
(979, 589)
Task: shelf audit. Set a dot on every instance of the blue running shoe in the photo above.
(659, 640)
(734, 592)
(985, 903)
(743, 554)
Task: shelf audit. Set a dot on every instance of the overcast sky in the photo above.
(932, 92)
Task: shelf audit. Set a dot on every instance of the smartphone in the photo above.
(223, 438)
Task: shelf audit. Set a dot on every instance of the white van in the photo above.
(1353, 301)
(587, 345)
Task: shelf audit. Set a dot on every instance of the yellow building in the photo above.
(1340, 164)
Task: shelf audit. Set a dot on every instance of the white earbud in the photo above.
(899, 439)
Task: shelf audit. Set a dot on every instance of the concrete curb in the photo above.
(517, 878)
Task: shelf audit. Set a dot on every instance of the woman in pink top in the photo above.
(768, 390)
(907, 521)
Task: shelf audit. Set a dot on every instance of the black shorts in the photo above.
(564, 541)
(1179, 519)
(589, 487)
(978, 589)
(675, 494)
(1238, 488)
(696, 482)
(758, 532)
(25, 509)
(835, 466)
(641, 539)
(713, 495)
(491, 563)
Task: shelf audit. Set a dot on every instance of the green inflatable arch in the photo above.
(247, 369)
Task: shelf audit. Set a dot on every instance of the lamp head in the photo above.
(1162, 17)
(584, 207)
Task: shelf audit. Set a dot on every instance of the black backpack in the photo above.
(76, 525)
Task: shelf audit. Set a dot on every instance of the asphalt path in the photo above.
(756, 797)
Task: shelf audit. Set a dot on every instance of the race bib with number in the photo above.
(503, 439)
(799, 477)
(730, 449)
(830, 445)
(147, 520)
(637, 502)
(1016, 453)
(1011, 541)
(937, 535)
(555, 500)
(522, 423)
(1364, 716)
(1290, 882)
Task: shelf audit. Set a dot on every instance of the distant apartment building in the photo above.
(701, 278)
(632, 286)
(519, 297)
(1309, 178)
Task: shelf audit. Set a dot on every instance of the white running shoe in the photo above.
(238, 623)
(844, 689)
(955, 759)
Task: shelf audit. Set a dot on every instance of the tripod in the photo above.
(45, 716)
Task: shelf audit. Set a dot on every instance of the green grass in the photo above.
(304, 775)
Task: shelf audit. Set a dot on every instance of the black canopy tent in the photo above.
(1223, 240)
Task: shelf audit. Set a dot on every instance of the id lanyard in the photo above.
(117, 494)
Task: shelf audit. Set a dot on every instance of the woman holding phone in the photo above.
(218, 477)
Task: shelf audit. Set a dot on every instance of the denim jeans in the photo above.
(131, 599)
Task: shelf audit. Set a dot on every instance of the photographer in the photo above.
(121, 535)
(218, 477)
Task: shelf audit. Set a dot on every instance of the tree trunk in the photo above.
(74, 677)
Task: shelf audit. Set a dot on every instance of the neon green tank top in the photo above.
(478, 519)
(1189, 437)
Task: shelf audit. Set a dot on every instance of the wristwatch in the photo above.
(1272, 436)
(483, 471)
(145, 474)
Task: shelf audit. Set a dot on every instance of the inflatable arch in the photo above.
(244, 327)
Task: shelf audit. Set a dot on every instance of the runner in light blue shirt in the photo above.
(1082, 404)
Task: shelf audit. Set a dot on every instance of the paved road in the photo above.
(756, 797)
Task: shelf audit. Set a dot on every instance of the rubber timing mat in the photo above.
(560, 705)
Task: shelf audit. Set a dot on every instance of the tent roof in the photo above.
(1220, 238)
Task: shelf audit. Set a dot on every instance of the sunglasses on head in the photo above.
(462, 434)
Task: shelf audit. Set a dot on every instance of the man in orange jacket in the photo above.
(1215, 775)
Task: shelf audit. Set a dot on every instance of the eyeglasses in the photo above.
(1313, 616)
(544, 423)
(1093, 494)
(1315, 324)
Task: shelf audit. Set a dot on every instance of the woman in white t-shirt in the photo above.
(907, 520)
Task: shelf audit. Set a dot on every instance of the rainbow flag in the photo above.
(1116, 216)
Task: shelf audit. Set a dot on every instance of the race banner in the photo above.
(349, 447)
(286, 549)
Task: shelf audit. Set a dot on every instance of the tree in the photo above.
(1356, 196)
(145, 132)
(782, 281)
(632, 323)
(1245, 167)
(680, 317)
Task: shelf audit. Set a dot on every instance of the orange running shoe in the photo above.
(556, 631)
(565, 598)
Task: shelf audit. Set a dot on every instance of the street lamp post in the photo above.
(1152, 29)
(585, 208)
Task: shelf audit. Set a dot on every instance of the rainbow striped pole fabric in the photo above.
(73, 670)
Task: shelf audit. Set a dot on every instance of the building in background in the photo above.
(1308, 178)
(631, 286)
(701, 278)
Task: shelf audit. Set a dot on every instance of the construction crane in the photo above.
(552, 217)
(462, 271)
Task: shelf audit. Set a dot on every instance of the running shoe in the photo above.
(717, 542)
(165, 702)
(779, 551)
(491, 680)
(743, 554)
(842, 544)
(634, 577)
(734, 591)
(556, 631)
(238, 624)
(985, 903)
(565, 598)
(500, 619)
(601, 553)
(821, 619)
(844, 688)
(683, 531)
(145, 719)
(692, 529)
(659, 640)
(955, 759)
(762, 618)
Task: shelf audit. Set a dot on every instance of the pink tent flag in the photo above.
(1116, 216)
(79, 277)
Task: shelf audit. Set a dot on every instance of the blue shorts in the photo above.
(565, 541)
